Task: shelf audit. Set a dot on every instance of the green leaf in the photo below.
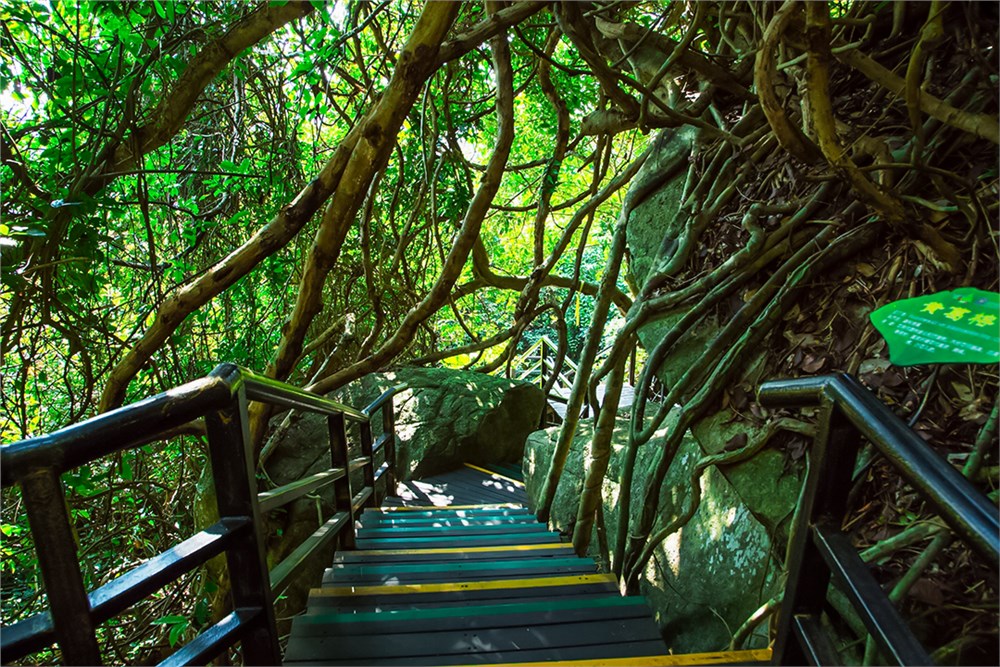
(169, 620)
(176, 632)
(201, 612)
(127, 473)
(10, 529)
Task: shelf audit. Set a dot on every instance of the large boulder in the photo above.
(704, 580)
(443, 419)
(448, 417)
(762, 491)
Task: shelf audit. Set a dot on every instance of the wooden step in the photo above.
(400, 532)
(506, 509)
(545, 596)
(441, 572)
(442, 541)
(760, 656)
(457, 591)
(464, 485)
(312, 652)
(496, 475)
(387, 521)
(512, 470)
(432, 645)
(472, 615)
(445, 554)
(414, 578)
(459, 586)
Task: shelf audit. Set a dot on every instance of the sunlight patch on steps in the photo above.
(434, 494)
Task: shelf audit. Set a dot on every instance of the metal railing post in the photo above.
(389, 428)
(233, 467)
(55, 546)
(541, 362)
(631, 364)
(369, 468)
(343, 499)
(824, 496)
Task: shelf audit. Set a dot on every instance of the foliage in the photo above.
(287, 186)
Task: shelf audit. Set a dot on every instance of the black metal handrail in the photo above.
(221, 398)
(819, 551)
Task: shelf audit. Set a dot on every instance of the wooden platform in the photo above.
(471, 484)
(461, 574)
(559, 404)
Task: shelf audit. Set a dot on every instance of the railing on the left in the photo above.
(221, 398)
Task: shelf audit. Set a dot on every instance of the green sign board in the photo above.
(960, 326)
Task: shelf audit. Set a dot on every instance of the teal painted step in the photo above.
(446, 572)
(473, 615)
(447, 513)
(381, 607)
(458, 531)
(415, 555)
(462, 567)
(372, 521)
(456, 541)
(444, 598)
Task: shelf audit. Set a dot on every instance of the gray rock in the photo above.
(444, 418)
(706, 579)
(687, 351)
(656, 222)
(768, 483)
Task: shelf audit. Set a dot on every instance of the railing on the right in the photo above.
(819, 551)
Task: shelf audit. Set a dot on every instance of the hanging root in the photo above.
(736, 355)
(720, 459)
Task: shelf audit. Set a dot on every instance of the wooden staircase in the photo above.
(471, 584)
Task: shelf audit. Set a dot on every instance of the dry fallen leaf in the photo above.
(874, 366)
(963, 392)
(812, 363)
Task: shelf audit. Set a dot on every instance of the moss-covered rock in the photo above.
(656, 222)
(707, 578)
(444, 418)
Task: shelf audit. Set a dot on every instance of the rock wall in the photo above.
(656, 221)
(771, 490)
(707, 578)
(444, 418)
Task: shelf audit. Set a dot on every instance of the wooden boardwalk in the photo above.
(468, 485)
(624, 403)
(458, 572)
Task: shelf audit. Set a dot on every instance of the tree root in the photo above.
(720, 459)
(778, 301)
